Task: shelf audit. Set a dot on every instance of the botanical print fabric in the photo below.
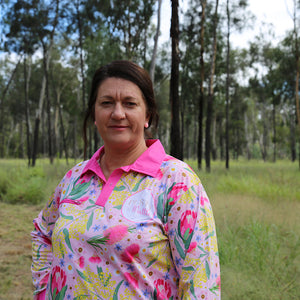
(134, 236)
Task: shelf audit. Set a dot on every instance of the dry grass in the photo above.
(15, 251)
(256, 208)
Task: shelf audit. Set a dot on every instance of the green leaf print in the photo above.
(138, 184)
(179, 248)
(155, 294)
(189, 269)
(85, 278)
(210, 235)
(67, 239)
(81, 297)
(118, 207)
(97, 241)
(38, 252)
(117, 290)
(119, 188)
(192, 288)
(90, 222)
(160, 208)
(78, 190)
(62, 293)
(152, 262)
(188, 241)
(66, 217)
(207, 270)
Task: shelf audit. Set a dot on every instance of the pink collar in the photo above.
(148, 163)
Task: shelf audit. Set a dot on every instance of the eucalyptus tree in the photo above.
(287, 67)
(297, 66)
(176, 140)
(235, 20)
(129, 22)
(211, 90)
(22, 39)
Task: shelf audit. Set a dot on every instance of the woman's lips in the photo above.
(118, 127)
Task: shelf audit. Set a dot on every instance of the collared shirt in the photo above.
(147, 232)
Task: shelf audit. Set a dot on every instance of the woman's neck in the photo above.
(113, 159)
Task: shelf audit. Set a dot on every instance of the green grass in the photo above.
(256, 207)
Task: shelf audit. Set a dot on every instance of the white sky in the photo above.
(269, 11)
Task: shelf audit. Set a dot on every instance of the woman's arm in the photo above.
(42, 245)
(192, 235)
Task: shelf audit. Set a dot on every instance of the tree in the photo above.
(174, 84)
(154, 53)
(211, 92)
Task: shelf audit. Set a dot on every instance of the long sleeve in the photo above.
(192, 235)
(42, 245)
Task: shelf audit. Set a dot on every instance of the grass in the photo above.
(256, 207)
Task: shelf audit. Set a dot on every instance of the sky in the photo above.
(269, 11)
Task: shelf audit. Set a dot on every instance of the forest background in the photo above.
(234, 109)
(215, 101)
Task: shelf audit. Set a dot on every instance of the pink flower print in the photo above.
(131, 253)
(80, 262)
(218, 282)
(95, 259)
(203, 200)
(133, 279)
(174, 193)
(187, 222)
(163, 289)
(159, 174)
(116, 234)
(193, 245)
(69, 174)
(58, 200)
(58, 280)
(81, 200)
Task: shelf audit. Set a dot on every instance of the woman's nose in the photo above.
(118, 111)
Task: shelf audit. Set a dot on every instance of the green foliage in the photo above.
(256, 209)
(22, 185)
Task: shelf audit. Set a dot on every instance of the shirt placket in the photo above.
(108, 187)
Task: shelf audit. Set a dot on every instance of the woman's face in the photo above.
(120, 113)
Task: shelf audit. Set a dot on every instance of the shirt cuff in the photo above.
(40, 296)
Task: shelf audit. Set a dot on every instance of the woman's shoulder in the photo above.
(76, 170)
(172, 168)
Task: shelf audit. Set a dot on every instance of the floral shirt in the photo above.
(145, 233)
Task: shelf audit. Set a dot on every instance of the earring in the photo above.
(146, 125)
(95, 123)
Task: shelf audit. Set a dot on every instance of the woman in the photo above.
(132, 222)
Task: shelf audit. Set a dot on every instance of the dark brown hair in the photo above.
(129, 71)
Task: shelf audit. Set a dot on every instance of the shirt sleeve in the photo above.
(41, 238)
(191, 230)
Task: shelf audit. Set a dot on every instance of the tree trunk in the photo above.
(201, 98)
(247, 135)
(37, 122)
(63, 131)
(27, 75)
(79, 23)
(174, 95)
(297, 75)
(214, 144)
(293, 137)
(49, 120)
(154, 53)
(2, 141)
(274, 132)
(227, 88)
(211, 93)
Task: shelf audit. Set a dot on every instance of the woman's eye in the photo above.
(106, 103)
(130, 104)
